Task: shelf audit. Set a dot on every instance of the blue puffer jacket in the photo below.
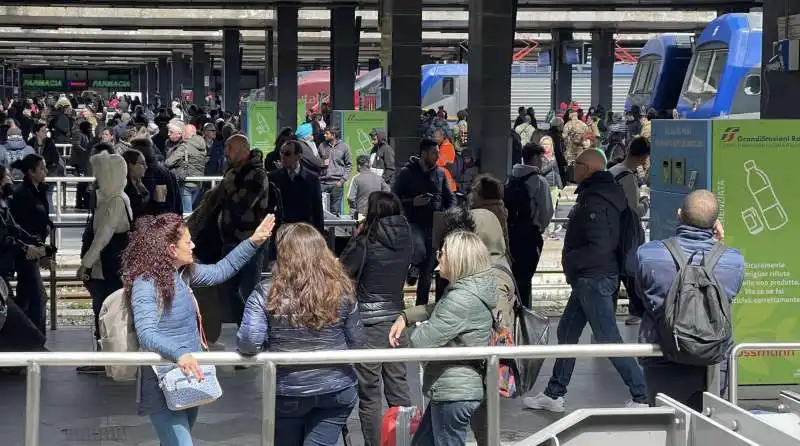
(656, 270)
(260, 331)
(173, 332)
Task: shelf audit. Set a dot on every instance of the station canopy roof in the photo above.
(94, 35)
(427, 4)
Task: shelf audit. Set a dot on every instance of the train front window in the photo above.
(707, 71)
(644, 78)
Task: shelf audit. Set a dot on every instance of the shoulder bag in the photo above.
(183, 392)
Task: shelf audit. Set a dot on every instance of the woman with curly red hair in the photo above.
(158, 271)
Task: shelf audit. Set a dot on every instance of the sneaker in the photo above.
(631, 404)
(633, 320)
(544, 402)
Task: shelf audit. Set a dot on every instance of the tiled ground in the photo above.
(94, 411)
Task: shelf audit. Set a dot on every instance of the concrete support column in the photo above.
(561, 78)
(134, 79)
(344, 55)
(491, 41)
(187, 71)
(780, 91)
(143, 81)
(269, 62)
(603, 56)
(200, 72)
(401, 59)
(152, 77)
(164, 82)
(231, 69)
(177, 74)
(287, 65)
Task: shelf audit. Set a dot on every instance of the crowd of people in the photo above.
(432, 221)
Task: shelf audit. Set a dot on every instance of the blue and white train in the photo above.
(659, 74)
(722, 80)
(446, 85)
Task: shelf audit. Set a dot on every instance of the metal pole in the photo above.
(269, 387)
(58, 212)
(493, 400)
(53, 273)
(733, 362)
(32, 404)
(713, 379)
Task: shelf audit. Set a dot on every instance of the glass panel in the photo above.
(702, 65)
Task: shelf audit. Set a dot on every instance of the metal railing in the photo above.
(59, 196)
(733, 362)
(269, 361)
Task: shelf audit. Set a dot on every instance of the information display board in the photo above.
(262, 121)
(753, 177)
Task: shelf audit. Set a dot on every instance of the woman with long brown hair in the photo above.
(308, 306)
(158, 271)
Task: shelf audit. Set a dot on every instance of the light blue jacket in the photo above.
(173, 332)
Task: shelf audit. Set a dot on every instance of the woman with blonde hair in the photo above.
(308, 306)
(463, 317)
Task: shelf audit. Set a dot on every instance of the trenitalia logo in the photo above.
(729, 134)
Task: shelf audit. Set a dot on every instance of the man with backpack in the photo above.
(688, 283)
(530, 209)
(591, 264)
(632, 234)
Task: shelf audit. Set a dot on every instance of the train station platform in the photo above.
(91, 410)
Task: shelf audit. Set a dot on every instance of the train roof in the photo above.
(724, 27)
(657, 45)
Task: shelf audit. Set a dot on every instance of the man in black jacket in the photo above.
(161, 184)
(423, 191)
(298, 188)
(591, 266)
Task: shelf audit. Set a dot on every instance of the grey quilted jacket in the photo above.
(458, 319)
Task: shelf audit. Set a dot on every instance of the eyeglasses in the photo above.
(287, 153)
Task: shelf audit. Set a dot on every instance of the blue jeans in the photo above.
(313, 420)
(445, 423)
(188, 197)
(174, 428)
(592, 301)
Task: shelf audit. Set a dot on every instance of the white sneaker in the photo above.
(544, 402)
(631, 404)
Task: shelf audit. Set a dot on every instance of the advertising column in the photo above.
(754, 164)
(262, 120)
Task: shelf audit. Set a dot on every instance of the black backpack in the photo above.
(517, 198)
(631, 236)
(695, 320)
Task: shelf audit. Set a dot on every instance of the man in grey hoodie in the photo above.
(335, 153)
(530, 209)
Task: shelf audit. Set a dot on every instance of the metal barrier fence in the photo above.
(269, 361)
(733, 362)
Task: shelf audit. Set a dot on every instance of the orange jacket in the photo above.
(447, 156)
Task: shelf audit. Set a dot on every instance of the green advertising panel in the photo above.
(262, 122)
(301, 111)
(356, 127)
(753, 177)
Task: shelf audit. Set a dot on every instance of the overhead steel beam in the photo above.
(373, 4)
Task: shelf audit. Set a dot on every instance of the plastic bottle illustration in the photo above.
(364, 141)
(263, 127)
(752, 221)
(772, 211)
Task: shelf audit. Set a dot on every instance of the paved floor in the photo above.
(92, 411)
